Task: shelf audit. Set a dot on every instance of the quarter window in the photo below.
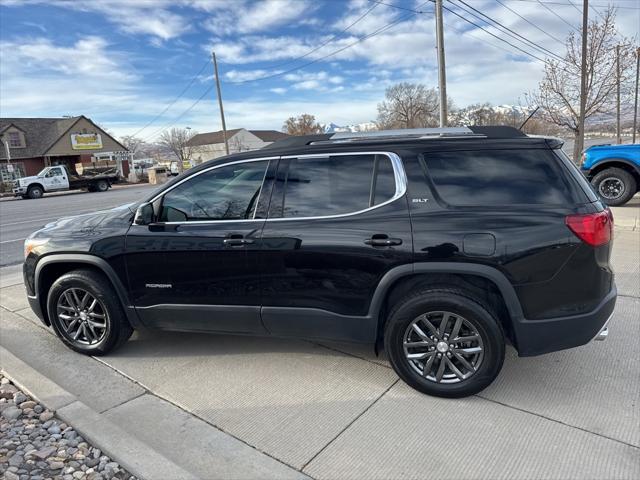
(499, 177)
(334, 185)
(226, 193)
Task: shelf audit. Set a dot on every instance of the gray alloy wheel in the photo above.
(611, 188)
(443, 347)
(83, 318)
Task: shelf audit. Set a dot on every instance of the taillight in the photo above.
(594, 229)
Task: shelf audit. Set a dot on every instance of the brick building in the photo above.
(35, 143)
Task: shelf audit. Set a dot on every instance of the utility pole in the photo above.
(583, 82)
(635, 103)
(618, 134)
(224, 125)
(442, 78)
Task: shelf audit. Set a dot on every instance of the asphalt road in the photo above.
(19, 218)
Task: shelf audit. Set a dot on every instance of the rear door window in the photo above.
(501, 177)
(335, 185)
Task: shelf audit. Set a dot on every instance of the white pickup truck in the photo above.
(57, 178)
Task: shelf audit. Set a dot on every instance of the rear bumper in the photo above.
(535, 337)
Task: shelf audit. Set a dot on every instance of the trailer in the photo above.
(58, 178)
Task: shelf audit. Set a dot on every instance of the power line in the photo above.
(492, 34)
(477, 26)
(328, 41)
(558, 16)
(406, 9)
(566, 4)
(174, 100)
(361, 39)
(514, 33)
(335, 52)
(177, 119)
(530, 22)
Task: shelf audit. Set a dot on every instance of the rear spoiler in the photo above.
(553, 142)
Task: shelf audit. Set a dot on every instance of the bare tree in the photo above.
(304, 124)
(176, 141)
(131, 143)
(559, 91)
(408, 105)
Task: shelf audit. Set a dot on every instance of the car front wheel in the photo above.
(35, 192)
(444, 342)
(86, 314)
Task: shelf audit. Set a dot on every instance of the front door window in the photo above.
(226, 193)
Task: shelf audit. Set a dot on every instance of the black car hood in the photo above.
(117, 217)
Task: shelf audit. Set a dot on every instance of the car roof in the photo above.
(400, 142)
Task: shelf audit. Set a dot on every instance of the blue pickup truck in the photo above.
(613, 170)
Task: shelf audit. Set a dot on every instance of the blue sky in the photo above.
(122, 62)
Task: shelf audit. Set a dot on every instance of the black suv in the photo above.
(442, 245)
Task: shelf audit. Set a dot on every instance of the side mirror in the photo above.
(144, 214)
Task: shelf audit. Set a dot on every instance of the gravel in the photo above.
(35, 445)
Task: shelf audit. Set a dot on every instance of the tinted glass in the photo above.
(385, 180)
(499, 177)
(335, 185)
(226, 193)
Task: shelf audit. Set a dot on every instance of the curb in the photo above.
(134, 455)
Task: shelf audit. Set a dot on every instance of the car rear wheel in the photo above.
(615, 186)
(444, 342)
(86, 313)
(35, 192)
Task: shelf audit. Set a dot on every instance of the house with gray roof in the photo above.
(211, 145)
(35, 143)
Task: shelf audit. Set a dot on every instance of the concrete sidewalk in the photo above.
(239, 407)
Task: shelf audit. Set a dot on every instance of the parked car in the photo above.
(57, 178)
(614, 171)
(442, 246)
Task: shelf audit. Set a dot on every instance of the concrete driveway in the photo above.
(336, 411)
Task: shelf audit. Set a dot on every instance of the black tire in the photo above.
(461, 304)
(35, 191)
(117, 329)
(101, 186)
(607, 184)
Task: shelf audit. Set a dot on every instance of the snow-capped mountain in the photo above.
(358, 127)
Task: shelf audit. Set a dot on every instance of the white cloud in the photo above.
(242, 16)
(145, 17)
(88, 57)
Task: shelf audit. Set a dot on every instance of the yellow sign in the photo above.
(86, 141)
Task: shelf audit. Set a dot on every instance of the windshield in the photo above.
(43, 172)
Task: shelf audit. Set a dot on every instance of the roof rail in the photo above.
(409, 134)
(403, 134)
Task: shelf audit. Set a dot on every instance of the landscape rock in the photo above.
(34, 445)
(11, 413)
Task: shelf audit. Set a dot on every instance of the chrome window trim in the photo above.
(214, 167)
(396, 163)
(398, 174)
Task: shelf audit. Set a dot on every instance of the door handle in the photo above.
(237, 241)
(381, 240)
